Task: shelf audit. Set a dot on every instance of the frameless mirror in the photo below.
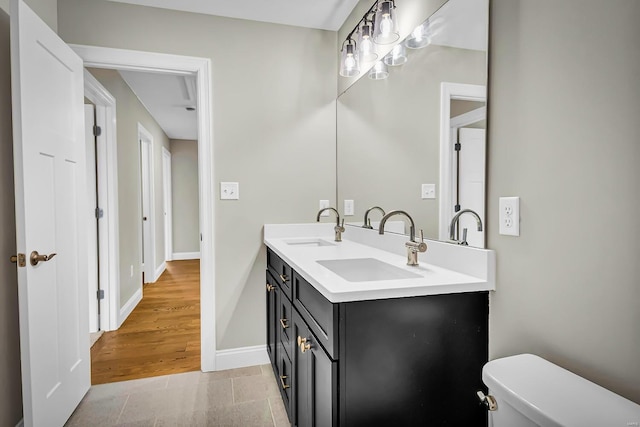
(397, 137)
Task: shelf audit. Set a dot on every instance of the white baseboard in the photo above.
(21, 423)
(130, 305)
(159, 271)
(180, 256)
(241, 357)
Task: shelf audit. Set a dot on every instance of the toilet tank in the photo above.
(531, 391)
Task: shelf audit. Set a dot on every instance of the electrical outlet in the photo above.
(349, 208)
(229, 191)
(428, 191)
(509, 215)
(324, 204)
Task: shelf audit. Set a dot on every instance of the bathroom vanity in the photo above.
(358, 338)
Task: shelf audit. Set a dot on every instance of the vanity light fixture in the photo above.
(420, 37)
(365, 40)
(349, 62)
(380, 71)
(386, 31)
(397, 56)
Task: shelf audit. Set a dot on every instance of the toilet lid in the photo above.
(552, 396)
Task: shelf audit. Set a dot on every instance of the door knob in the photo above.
(35, 257)
(19, 259)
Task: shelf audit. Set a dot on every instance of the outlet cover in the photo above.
(428, 191)
(349, 208)
(509, 208)
(229, 191)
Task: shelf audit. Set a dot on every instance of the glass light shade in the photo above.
(350, 63)
(385, 31)
(397, 56)
(379, 71)
(420, 37)
(365, 42)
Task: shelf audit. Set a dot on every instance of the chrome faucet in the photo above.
(339, 228)
(454, 221)
(367, 221)
(413, 247)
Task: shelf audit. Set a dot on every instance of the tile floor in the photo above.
(245, 397)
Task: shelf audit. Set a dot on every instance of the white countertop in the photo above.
(434, 279)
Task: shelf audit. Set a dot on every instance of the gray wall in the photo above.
(564, 104)
(10, 381)
(47, 10)
(130, 112)
(274, 130)
(184, 189)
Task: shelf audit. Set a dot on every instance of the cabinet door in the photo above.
(272, 320)
(316, 381)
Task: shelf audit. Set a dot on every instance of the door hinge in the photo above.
(97, 131)
(456, 208)
(100, 294)
(457, 147)
(19, 259)
(99, 213)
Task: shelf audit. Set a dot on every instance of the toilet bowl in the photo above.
(530, 391)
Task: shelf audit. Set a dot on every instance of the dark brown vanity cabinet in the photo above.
(411, 361)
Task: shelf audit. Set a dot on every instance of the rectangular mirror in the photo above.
(396, 134)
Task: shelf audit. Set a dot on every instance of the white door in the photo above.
(168, 213)
(471, 176)
(92, 222)
(147, 204)
(50, 191)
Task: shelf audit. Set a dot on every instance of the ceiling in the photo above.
(320, 14)
(166, 97)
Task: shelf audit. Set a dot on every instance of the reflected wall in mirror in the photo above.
(389, 131)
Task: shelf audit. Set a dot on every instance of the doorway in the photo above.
(147, 253)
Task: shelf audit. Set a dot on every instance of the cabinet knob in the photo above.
(304, 347)
(284, 386)
(283, 323)
(270, 287)
(301, 340)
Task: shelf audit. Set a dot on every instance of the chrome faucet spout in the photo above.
(367, 221)
(456, 218)
(412, 227)
(412, 246)
(339, 228)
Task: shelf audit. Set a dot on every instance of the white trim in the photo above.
(167, 201)
(20, 423)
(107, 176)
(161, 268)
(180, 256)
(147, 172)
(102, 57)
(242, 357)
(129, 306)
(468, 118)
(449, 91)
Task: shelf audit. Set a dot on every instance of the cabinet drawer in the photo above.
(320, 314)
(284, 326)
(281, 271)
(285, 381)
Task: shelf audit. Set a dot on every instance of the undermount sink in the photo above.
(366, 270)
(308, 242)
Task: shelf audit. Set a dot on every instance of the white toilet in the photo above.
(530, 391)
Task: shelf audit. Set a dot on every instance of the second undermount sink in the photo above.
(308, 242)
(366, 270)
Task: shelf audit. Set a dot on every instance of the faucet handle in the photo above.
(421, 235)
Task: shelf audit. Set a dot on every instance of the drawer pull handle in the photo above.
(284, 278)
(283, 322)
(284, 386)
(270, 287)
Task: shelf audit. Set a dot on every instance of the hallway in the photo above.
(162, 334)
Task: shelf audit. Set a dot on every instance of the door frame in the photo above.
(147, 241)
(101, 57)
(107, 176)
(168, 204)
(451, 91)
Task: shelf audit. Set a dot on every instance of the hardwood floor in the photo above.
(162, 334)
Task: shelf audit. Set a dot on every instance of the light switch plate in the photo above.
(428, 191)
(323, 204)
(509, 216)
(349, 208)
(229, 191)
